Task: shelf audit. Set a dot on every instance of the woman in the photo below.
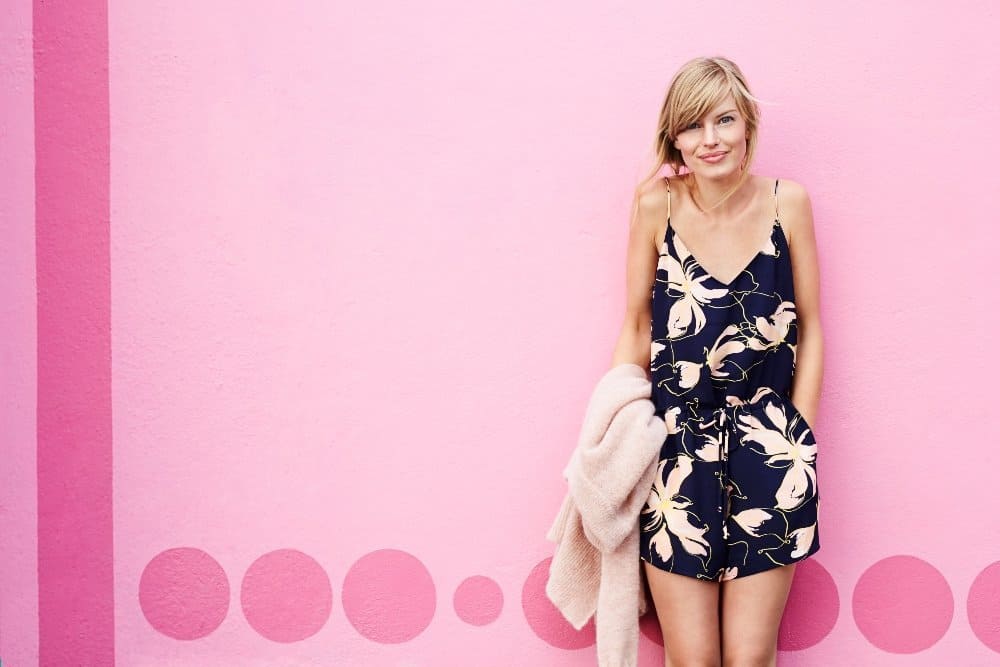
(723, 306)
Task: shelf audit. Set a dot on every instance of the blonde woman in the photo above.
(723, 308)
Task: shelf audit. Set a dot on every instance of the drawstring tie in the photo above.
(724, 415)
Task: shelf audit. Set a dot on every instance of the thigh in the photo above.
(688, 612)
(752, 607)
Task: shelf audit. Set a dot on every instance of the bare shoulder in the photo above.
(651, 213)
(794, 209)
(653, 194)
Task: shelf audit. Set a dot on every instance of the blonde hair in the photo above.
(699, 85)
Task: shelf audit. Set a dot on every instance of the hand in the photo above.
(808, 414)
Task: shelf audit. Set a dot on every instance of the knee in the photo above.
(750, 656)
(707, 659)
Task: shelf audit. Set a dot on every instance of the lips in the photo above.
(717, 154)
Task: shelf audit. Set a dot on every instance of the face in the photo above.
(722, 130)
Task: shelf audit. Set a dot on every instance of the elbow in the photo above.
(810, 326)
(638, 321)
(633, 344)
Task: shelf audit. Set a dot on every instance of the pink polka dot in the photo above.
(286, 596)
(545, 619)
(902, 604)
(812, 609)
(983, 606)
(649, 625)
(478, 600)
(389, 596)
(184, 593)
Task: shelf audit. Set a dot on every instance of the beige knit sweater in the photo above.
(596, 570)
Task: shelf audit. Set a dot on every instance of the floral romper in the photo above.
(736, 489)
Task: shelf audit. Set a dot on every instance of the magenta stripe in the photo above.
(72, 172)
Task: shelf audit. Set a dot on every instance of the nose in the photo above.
(711, 137)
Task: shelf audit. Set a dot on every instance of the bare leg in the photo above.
(752, 607)
(688, 611)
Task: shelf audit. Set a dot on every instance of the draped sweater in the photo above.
(595, 570)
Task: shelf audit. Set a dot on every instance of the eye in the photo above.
(691, 126)
(729, 117)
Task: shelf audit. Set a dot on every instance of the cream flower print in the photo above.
(720, 350)
(710, 450)
(709, 437)
(784, 451)
(669, 514)
(729, 573)
(683, 282)
(670, 419)
(656, 348)
(689, 373)
(759, 394)
(774, 329)
(803, 538)
(770, 248)
(752, 521)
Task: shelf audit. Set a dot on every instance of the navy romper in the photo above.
(736, 489)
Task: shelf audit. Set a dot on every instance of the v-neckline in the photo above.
(763, 245)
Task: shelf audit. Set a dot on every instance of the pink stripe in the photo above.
(75, 558)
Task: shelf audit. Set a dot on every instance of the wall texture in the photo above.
(366, 262)
(18, 370)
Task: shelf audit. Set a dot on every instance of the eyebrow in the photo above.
(721, 113)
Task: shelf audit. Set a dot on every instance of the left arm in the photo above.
(797, 211)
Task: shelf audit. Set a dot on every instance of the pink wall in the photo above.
(367, 262)
(18, 369)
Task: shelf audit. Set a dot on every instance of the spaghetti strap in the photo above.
(776, 199)
(666, 179)
(668, 199)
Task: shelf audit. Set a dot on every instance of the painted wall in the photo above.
(18, 370)
(366, 263)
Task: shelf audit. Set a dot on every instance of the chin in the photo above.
(718, 174)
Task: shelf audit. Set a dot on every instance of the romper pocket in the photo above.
(801, 425)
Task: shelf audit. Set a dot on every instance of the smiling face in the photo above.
(722, 130)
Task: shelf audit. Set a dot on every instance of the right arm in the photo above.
(634, 341)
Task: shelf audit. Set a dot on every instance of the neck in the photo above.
(709, 191)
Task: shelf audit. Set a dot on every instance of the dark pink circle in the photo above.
(286, 596)
(983, 606)
(389, 596)
(478, 600)
(184, 593)
(812, 609)
(902, 604)
(545, 619)
(649, 625)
